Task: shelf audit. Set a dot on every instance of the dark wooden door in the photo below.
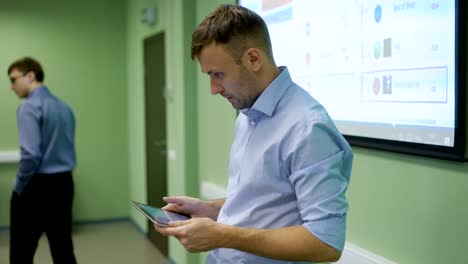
(155, 120)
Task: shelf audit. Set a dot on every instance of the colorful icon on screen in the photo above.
(378, 13)
(377, 50)
(387, 47)
(376, 86)
(387, 84)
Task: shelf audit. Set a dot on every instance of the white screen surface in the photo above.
(382, 69)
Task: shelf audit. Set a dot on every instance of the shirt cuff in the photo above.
(330, 230)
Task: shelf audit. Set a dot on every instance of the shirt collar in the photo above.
(269, 98)
(38, 90)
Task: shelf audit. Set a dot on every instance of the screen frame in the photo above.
(457, 152)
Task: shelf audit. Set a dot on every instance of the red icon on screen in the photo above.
(376, 86)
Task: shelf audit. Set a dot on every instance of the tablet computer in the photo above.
(157, 215)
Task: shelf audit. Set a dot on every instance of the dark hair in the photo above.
(237, 27)
(28, 64)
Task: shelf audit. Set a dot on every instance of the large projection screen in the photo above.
(386, 71)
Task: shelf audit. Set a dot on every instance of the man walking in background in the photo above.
(43, 190)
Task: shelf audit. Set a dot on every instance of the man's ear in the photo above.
(31, 76)
(254, 59)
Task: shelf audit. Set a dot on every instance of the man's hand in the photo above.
(193, 206)
(196, 234)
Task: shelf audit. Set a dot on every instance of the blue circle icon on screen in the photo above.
(378, 13)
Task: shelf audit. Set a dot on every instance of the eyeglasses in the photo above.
(13, 79)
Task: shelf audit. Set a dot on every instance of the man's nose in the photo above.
(216, 87)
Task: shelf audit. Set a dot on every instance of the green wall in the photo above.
(199, 125)
(175, 19)
(216, 118)
(409, 209)
(80, 44)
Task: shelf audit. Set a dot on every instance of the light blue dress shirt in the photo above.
(46, 134)
(289, 166)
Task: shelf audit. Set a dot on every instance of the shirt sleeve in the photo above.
(30, 141)
(319, 160)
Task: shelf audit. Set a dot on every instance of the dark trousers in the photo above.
(44, 206)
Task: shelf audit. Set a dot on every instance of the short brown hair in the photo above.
(28, 64)
(235, 26)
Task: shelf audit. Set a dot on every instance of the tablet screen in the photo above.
(158, 215)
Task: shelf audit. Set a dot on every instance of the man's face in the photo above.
(19, 83)
(233, 81)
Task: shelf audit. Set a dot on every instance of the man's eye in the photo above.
(219, 75)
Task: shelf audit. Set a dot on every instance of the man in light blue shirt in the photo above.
(289, 165)
(43, 186)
